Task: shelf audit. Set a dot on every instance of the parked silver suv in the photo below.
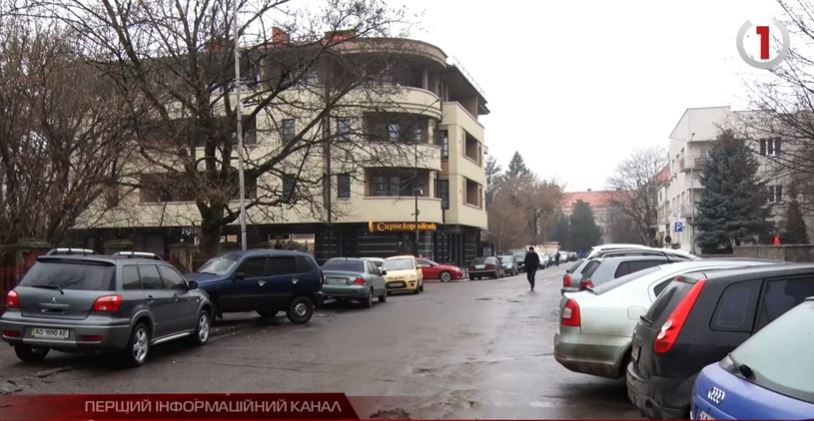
(124, 303)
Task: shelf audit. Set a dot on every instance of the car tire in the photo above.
(138, 347)
(267, 314)
(445, 277)
(30, 354)
(383, 297)
(300, 310)
(367, 302)
(203, 327)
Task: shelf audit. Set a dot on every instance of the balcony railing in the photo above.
(696, 164)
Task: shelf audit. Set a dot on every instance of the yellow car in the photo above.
(402, 274)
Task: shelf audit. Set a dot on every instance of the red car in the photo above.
(445, 273)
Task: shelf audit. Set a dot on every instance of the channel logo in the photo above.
(769, 55)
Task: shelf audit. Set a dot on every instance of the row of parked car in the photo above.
(709, 338)
(75, 300)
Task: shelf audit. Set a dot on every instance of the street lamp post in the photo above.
(239, 113)
(416, 192)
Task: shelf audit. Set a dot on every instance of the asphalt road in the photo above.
(468, 349)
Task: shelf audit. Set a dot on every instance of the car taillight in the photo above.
(586, 283)
(12, 299)
(566, 280)
(672, 327)
(11, 333)
(570, 313)
(359, 281)
(110, 303)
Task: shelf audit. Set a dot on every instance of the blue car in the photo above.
(265, 281)
(770, 376)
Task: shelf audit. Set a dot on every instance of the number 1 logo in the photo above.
(764, 33)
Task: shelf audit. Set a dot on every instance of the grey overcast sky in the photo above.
(576, 85)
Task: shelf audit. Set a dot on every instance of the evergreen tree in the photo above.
(584, 231)
(733, 204)
(517, 167)
(796, 231)
(561, 232)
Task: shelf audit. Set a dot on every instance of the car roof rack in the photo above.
(136, 255)
(69, 251)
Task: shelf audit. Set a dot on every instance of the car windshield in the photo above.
(344, 265)
(574, 266)
(479, 261)
(779, 355)
(220, 265)
(607, 286)
(398, 264)
(71, 275)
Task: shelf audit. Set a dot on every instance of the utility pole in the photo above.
(416, 191)
(239, 113)
(692, 201)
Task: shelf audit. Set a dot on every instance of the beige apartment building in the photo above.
(690, 141)
(367, 208)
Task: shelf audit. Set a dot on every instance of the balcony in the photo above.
(696, 164)
(456, 115)
(473, 149)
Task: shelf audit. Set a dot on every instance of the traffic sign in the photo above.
(679, 227)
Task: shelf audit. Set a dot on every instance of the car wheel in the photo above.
(138, 346)
(30, 354)
(267, 314)
(383, 297)
(202, 328)
(445, 277)
(368, 301)
(300, 310)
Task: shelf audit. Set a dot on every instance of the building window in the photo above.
(775, 194)
(770, 147)
(289, 187)
(343, 186)
(343, 129)
(442, 192)
(443, 142)
(288, 130)
(418, 134)
(393, 132)
(396, 185)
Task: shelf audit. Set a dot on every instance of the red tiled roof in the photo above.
(597, 199)
(664, 175)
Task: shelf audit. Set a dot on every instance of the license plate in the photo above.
(396, 285)
(480, 266)
(335, 281)
(702, 415)
(47, 333)
(634, 353)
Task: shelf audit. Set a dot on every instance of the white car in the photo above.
(596, 325)
(602, 247)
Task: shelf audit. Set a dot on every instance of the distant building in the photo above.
(600, 202)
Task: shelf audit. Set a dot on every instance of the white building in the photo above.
(690, 141)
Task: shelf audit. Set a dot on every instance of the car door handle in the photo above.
(261, 283)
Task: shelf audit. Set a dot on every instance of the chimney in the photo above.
(278, 36)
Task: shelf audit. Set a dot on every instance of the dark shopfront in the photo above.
(447, 244)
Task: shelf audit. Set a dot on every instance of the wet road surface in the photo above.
(479, 349)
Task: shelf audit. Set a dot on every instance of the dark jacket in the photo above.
(532, 260)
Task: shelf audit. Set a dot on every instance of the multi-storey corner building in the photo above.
(690, 141)
(367, 207)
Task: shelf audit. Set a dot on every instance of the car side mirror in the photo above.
(383, 272)
(240, 276)
(192, 285)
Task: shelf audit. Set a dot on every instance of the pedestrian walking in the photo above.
(532, 262)
(557, 258)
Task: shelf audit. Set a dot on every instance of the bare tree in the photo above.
(60, 135)
(636, 183)
(313, 87)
